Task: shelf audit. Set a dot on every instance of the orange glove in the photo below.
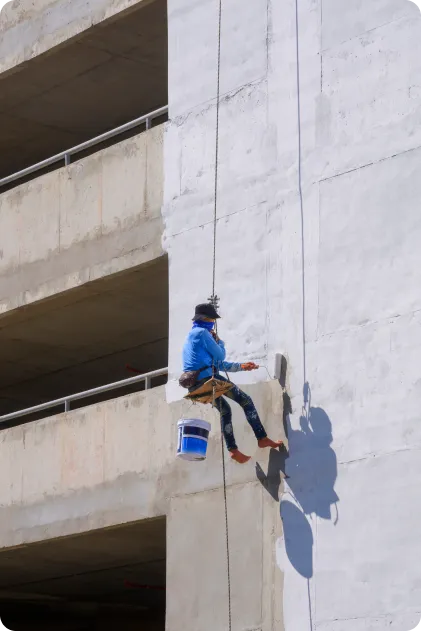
(249, 366)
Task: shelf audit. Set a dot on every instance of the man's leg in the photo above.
(250, 411)
(226, 424)
(252, 417)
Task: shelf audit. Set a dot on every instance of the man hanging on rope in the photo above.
(204, 352)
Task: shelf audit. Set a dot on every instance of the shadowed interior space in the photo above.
(110, 74)
(85, 338)
(107, 579)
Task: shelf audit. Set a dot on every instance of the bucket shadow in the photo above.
(298, 539)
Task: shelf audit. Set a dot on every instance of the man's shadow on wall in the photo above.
(310, 470)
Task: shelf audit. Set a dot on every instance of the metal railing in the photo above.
(66, 401)
(66, 155)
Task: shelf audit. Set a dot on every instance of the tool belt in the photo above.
(189, 379)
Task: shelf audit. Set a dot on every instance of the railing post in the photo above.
(67, 159)
(67, 406)
(148, 123)
(147, 383)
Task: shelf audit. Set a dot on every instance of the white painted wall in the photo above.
(334, 283)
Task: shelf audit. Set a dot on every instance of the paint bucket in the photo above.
(193, 437)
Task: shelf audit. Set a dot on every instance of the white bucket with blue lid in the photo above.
(193, 437)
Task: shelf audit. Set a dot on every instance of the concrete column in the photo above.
(197, 564)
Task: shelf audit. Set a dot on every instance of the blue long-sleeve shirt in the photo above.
(200, 350)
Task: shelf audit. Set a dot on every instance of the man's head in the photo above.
(206, 312)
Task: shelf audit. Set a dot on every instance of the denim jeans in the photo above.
(250, 411)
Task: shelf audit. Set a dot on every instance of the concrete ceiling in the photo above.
(75, 581)
(85, 338)
(111, 74)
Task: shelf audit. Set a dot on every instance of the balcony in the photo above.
(84, 338)
(95, 508)
(64, 479)
(76, 225)
(71, 71)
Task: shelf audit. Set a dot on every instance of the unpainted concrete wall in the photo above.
(115, 462)
(197, 563)
(96, 217)
(30, 28)
(331, 279)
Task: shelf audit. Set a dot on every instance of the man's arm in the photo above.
(235, 367)
(215, 348)
(230, 366)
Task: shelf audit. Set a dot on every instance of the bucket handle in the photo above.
(183, 414)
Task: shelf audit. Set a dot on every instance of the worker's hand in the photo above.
(215, 336)
(249, 366)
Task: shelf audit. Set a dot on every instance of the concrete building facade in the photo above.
(105, 252)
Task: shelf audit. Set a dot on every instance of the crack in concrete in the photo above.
(372, 456)
(205, 106)
(380, 616)
(356, 327)
(371, 30)
(368, 164)
(214, 489)
(207, 223)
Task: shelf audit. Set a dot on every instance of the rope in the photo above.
(218, 93)
(226, 530)
(214, 300)
(224, 477)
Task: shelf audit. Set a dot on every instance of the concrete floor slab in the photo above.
(114, 462)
